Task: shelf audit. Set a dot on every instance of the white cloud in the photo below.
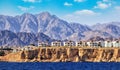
(67, 4)
(25, 8)
(32, 1)
(79, 0)
(102, 5)
(90, 17)
(84, 16)
(110, 1)
(85, 12)
(117, 7)
(106, 0)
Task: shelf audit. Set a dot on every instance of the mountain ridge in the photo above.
(20, 39)
(56, 28)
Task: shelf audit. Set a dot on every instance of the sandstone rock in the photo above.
(65, 54)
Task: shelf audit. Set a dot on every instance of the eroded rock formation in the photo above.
(65, 54)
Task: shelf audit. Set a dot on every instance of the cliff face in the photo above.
(63, 54)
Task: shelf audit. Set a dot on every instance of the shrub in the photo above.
(2, 53)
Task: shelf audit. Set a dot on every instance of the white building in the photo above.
(16, 49)
(116, 43)
(88, 44)
(93, 44)
(101, 44)
(80, 44)
(27, 48)
(56, 43)
(108, 44)
(69, 43)
(43, 44)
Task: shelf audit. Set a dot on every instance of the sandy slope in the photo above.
(65, 54)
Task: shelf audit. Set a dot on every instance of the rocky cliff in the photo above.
(65, 54)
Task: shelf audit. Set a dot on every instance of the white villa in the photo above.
(116, 43)
(43, 44)
(56, 43)
(27, 48)
(69, 43)
(93, 44)
(101, 43)
(16, 49)
(108, 44)
(80, 43)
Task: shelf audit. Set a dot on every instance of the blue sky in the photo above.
(81, 11)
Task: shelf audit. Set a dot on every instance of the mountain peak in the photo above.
(44, 14)
(57, 28)
(27, 14)
(47, 13)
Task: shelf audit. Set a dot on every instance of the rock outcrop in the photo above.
(65, 54)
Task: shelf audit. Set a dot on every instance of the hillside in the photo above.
(65, 54)
(20, 39)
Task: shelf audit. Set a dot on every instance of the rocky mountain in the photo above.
(44, 22)
(111, 29)
(8, 38)
(55, 28)
(9, 23)
(77, 27)
(98, 31)
(78, 31)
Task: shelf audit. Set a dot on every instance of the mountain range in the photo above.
(28, 28)
(11, 39)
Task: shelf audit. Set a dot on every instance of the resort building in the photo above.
(27, 48)
(43, 44)
(69, 43)
(16, 49)
(93, 44)
(80, 44)
(101, 44)
(56, 43)
(108, 44)
(116, 43)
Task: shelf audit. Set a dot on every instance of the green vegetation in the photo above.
(2, 53)
(6, 49)
(32, 44)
